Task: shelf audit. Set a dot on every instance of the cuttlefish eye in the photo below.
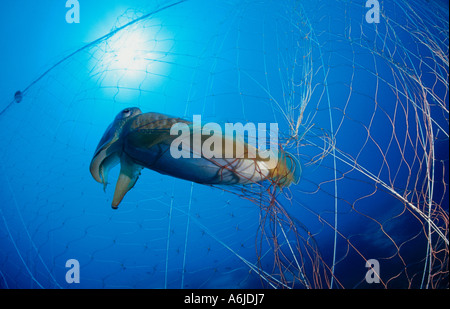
(128, 112)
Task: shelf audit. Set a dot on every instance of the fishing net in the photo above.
(363, 106)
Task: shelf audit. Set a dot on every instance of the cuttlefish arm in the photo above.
(149, 129)
(109, 153)
(129, 174)
(105, 157)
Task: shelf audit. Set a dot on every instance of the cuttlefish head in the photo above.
(109, 153)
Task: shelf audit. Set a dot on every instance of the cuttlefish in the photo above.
(139, 140)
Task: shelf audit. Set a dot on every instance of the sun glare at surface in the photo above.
(134, 52)
(131, 53)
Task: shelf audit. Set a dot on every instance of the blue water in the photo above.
(374, 95)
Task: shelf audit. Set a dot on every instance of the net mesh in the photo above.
(364, 107)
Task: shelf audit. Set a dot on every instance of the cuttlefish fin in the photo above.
(129, 174)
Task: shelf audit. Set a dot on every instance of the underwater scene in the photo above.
(224, 144)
